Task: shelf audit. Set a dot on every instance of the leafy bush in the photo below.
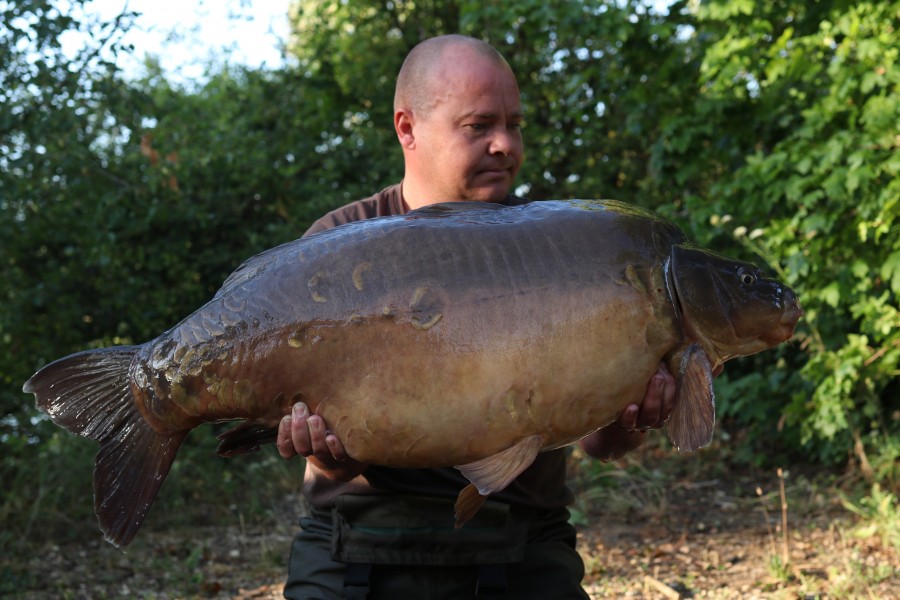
(765, 128)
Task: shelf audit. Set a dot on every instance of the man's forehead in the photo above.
(487, 99)
(479, 87)
(515, 114)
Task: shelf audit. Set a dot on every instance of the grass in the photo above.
(820, 537)
(816, 542)
(779, 563)
(51, 501)
(879, 516)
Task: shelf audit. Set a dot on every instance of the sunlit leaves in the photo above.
(831, 181)
(768, 128)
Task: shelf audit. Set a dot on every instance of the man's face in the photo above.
(469, 142)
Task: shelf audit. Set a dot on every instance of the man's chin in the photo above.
(490, 193)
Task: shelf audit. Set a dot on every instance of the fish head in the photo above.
(730, 307)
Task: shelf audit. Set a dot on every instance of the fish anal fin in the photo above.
(693, 419)
(467, 504)
(245, 438)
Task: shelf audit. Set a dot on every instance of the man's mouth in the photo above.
(496, 171)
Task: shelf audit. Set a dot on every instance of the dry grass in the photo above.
(654, 526)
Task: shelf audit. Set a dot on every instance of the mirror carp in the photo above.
(461, 334)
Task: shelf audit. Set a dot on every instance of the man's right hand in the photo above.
(307, 435)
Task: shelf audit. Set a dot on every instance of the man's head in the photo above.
(457, 115)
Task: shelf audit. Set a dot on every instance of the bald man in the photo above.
(376, 532)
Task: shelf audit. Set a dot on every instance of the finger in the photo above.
(336, 447)
(648, 416)
(283, 441)
(300, 435)
(317, 436)
(668, 400)
(629, 417)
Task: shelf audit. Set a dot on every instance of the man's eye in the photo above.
(478, 126)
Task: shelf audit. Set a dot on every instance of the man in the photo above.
(388, 532)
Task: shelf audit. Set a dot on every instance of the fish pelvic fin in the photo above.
(245, 438)
(492, 474)
(89, 394)
(468, 503)
(693, 419)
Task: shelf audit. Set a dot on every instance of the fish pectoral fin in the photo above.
(494, 473)
(694, 416)
(245, 438)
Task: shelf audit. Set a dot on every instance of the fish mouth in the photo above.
(790, 316)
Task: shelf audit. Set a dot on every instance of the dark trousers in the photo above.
(550, 568)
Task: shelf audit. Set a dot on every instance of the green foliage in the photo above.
(821, 194)
(590, 75)
(879, 514)
(775, 122)
(765, 128)
(126, 204)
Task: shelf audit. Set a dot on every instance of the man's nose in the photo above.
(505, 141)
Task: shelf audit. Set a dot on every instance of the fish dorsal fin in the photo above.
(443, 209)
(492, 474)
(694, 416)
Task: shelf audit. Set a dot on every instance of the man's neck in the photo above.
(414, 196)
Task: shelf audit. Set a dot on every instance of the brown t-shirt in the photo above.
(542, 485)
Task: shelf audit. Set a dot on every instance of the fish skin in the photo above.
(444, 337)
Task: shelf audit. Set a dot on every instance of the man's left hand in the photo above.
(629, 431)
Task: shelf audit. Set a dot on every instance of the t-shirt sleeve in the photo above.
(388, 201)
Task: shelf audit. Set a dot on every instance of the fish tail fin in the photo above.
(89, 394)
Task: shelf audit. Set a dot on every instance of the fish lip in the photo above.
(790, 317)
(796, 312)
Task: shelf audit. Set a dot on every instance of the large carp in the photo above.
(464, 334)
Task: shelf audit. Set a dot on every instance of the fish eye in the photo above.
(746, 277)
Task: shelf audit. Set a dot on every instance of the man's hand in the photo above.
(629, 431)
(307, 435)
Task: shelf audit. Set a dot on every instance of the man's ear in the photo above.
(403, 124)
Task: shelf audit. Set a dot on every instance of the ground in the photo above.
(642, 536)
